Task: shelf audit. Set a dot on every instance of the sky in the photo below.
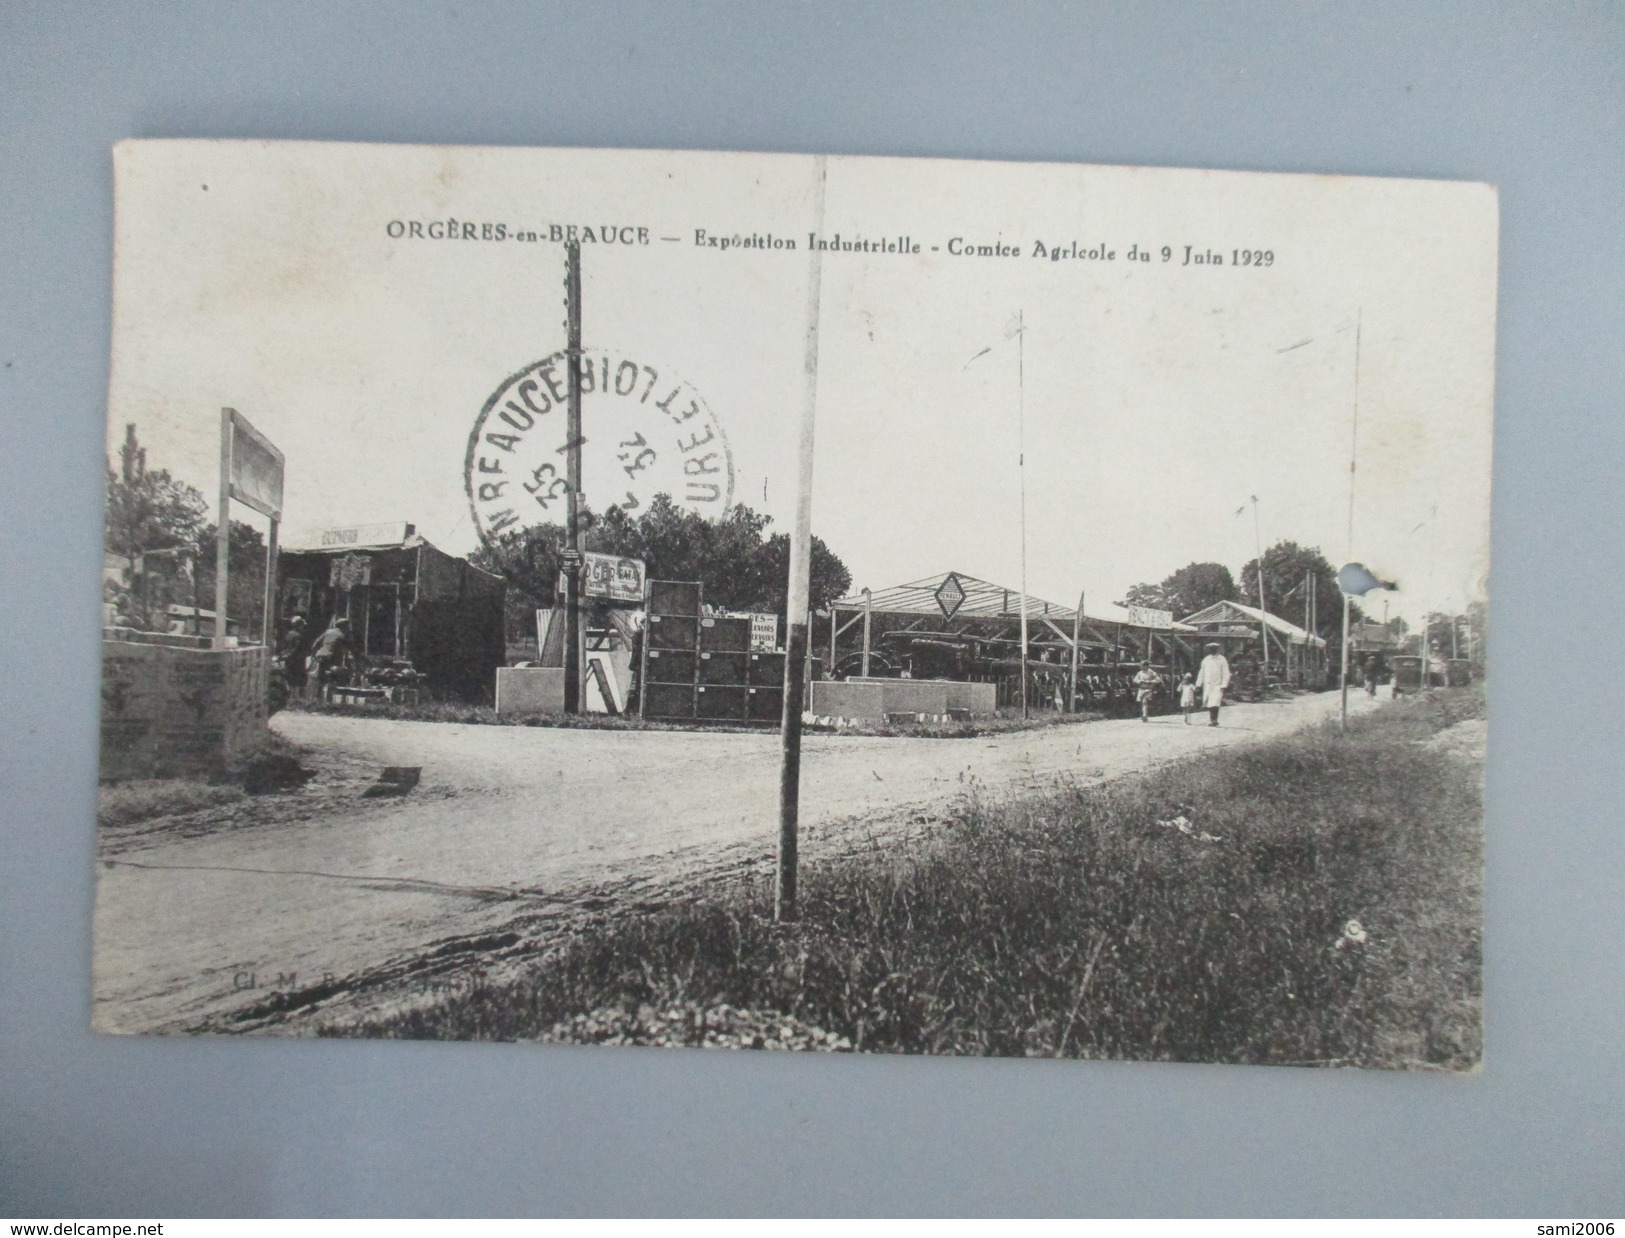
(1149, 400)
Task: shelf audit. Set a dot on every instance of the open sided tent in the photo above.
(957, 626)
(1236, 626)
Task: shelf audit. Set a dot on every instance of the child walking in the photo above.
(1187, 697)
(1146, 684)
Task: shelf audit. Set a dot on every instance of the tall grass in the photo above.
(1073, 923)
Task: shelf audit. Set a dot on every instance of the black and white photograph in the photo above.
(796, 602)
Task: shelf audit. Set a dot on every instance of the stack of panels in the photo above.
(723, 673)
(695, 667)
(727, 689)
(671, 650)
(765, 673)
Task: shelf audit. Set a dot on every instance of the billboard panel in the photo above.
(256, 468)
(612, 576)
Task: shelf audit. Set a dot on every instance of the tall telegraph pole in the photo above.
(1354, 445)
(572, 525)
(1021, 471)
(796, 609)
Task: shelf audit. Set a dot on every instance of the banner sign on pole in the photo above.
(613, 577)
(256, 469)
(1149, 617)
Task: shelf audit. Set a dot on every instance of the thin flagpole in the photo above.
(1263, 625)
(1021, 470)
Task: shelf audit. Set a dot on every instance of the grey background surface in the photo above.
(1530, 98)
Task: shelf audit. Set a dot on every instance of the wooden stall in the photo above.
(407, 602)
(1264, 650)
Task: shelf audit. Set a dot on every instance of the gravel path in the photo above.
(227, 909)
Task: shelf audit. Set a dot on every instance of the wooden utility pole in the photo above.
(1308, 601)
(1307, 661)
(1354, 456)
(1314, 624)
(572, 498)
(222, 535)
(269, 630)
(868, 618)
(795, 615)
(1343, 703)
(1072, 690)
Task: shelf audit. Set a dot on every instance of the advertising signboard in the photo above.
(388, 533)
(256, 468)
(612, 577)
(764, 631)
(1149, 617)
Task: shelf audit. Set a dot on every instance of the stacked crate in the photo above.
(671, 649)
(698, 667)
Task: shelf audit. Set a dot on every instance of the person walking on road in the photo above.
(1212, 678)
(1187, 697)
(1146, 684)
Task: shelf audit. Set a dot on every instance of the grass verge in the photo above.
(134, 800)
(126, 803)
(1313, 899)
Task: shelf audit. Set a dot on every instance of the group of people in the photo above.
(1209, 683)
(315, 662)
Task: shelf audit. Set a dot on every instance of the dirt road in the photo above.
(513, 824)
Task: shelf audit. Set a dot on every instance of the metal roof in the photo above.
(983, 600)
(1229, 612)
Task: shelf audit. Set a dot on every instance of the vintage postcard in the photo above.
(800, 602)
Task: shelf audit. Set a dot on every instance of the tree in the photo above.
(1194, 587)
(245, 574)
(740, 564)
(1153, 597)
(1287, 566)
(1475, 631)
(152, 519)
(1467, 629)
(148, 510)
(829, 577)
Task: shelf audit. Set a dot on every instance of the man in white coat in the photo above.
(1212, 678)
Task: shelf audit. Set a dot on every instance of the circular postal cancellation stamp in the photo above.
(644, 431)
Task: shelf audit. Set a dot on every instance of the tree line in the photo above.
(158, 522)
(1287, 569)
(743, 565)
